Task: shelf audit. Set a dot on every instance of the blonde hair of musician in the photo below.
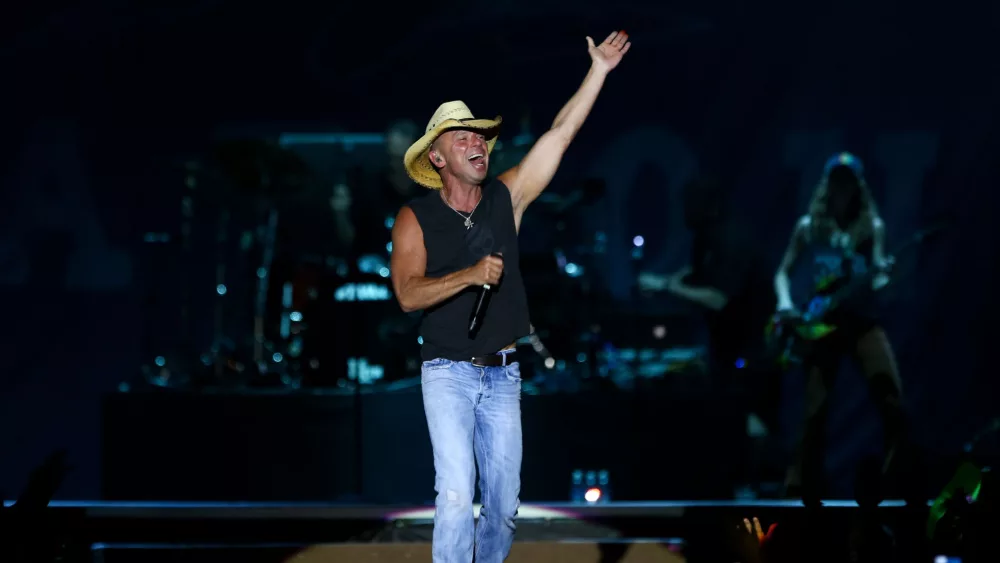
(823, 225)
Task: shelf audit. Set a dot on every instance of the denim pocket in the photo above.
(513, 372)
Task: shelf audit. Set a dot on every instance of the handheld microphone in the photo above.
(482, 303)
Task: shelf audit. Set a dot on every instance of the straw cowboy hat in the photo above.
(450, 115)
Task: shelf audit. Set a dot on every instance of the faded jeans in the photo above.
(474, 417)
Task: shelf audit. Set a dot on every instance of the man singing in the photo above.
(447, 246)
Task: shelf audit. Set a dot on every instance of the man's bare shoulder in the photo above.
(406, 223)
(406, 214)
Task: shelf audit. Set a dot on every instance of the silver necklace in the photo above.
(468, 219)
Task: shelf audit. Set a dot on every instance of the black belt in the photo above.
(494, 360)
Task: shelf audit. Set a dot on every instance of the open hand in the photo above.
(750, 537)
(608, 54)
(754, 529)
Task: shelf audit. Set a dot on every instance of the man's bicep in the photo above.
(409, 257)
(535, 171)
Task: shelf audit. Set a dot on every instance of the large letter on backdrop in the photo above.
(619, 165)
(53, 196)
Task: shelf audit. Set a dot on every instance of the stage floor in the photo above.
(124, 531)
(340, 511)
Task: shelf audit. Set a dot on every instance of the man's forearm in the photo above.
(420, 293)
(575, 112)
(708, 297)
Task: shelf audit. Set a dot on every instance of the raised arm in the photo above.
(782, 283)
(414, 290)
(533, 174)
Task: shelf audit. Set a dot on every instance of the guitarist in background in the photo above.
(845, 236)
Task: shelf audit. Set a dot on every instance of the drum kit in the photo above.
(281, 316)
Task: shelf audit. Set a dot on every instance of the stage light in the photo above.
(638, 241)
(550, 362)
(576, 486)
(591, 487)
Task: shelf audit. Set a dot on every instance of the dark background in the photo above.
(103, 100)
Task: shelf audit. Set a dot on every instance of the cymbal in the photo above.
(258, 167)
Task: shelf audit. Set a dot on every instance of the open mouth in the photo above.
(478, 160)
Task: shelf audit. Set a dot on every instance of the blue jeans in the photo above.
(474, 416)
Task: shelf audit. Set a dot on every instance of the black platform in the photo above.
(308, 447)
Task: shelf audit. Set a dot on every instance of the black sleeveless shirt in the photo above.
(452, 247)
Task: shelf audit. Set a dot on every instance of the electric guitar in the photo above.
(790, 337)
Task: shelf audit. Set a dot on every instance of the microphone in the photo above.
(482, 303)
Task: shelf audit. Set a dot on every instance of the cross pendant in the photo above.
(468, 223)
